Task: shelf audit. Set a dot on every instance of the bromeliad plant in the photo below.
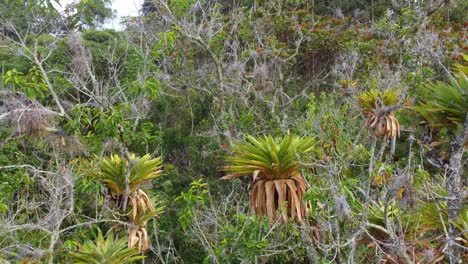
(126, 177)
(115, 169)
(105, 251)
(378, 108)
(274, 166)
(446, 104)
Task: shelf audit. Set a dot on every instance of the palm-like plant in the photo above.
(434, 217)
(105, 251)
(446, 104)
(142, 169)
(347, 85)
(274, 166)
(378, 107)
(116, 172)
(462, 225)
(381, 217)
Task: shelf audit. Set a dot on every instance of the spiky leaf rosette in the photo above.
(142, 169)
(268, 158)
(274, 166)
(378, 107)
(445, 104)
(105, 251)
(435, 217)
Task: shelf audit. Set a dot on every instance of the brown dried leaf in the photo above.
(280, 189)
(260, 207)
(132, 238)
(270, 199)
(297, 204)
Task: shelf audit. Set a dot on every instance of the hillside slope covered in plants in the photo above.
(215, 131)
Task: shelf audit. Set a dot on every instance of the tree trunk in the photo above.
(455, 190)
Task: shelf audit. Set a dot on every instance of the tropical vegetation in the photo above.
(274, 167)
(221, 131)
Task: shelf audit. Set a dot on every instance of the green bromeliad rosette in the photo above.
(139, 170)
(274, 166)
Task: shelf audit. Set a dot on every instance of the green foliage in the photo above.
(165, 46)
(97, 126)
(373, 99)
(267, 157)
(445, 104)
(90, 13)
(195, 198)
(247, 122)
(110, 49)
(138, 170)
(431, 215)
(434, 217)
(151, 88)
(21, 14)
(87, 185)
(247, 243)
(32, 85)
(328, 117)
(180, 7)
(105, 251)
(12, 180)
(103, 123)
(461, 223)
(284, 67)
